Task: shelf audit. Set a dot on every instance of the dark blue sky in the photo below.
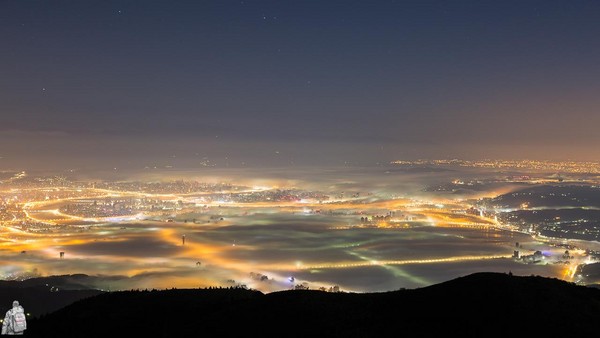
(303, 82)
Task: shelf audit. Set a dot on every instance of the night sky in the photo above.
(276, 83)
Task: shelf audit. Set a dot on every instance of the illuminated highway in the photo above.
(395, 262)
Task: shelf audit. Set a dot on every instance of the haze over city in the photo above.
(103, 84)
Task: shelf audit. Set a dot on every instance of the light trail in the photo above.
(389, 262)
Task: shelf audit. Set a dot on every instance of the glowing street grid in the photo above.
(182, 234)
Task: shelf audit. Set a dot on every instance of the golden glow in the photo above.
(88, 242)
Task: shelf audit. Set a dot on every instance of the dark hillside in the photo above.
(45, 294)
(483, 304)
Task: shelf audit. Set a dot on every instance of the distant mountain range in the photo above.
(478, 305)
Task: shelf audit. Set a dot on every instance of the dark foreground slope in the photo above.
(45, 294)
(479, 305)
